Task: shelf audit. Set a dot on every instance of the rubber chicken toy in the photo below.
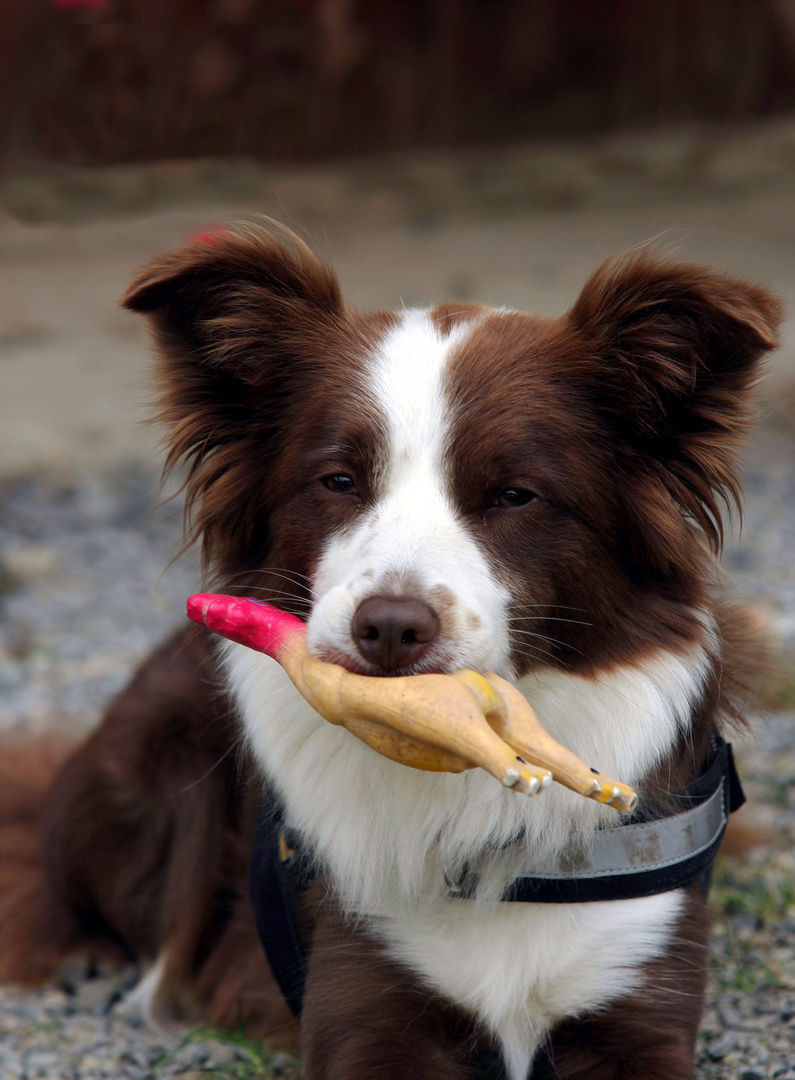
(440, 723)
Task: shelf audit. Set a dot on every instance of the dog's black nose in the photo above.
(393, 632)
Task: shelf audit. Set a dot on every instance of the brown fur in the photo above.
(138, 842)
(35, 931)
(410, 1031)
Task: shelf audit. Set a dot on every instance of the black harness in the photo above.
(641, 857)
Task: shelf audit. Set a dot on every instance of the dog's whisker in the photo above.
(541, 654)
(547, 618)
(266, 570)
(212, 769)
(545, 637)
(281, 593)
(551, 607)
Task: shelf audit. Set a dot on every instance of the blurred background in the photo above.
(95, 82)
(490, 150)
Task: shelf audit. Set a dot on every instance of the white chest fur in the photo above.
(520, 968)
(389, 837)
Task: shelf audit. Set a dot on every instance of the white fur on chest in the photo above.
(389, 836)
(520, 968)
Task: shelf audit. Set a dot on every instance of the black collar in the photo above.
(640, 857)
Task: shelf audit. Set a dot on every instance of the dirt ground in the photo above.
(73, 369)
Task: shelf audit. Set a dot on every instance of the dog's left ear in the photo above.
(671, 352)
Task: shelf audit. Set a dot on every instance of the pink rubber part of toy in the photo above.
(208, 235)
(248, 622)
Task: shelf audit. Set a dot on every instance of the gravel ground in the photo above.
(81, 1030)
(88, 585)
(83, 596)
(748, 1029)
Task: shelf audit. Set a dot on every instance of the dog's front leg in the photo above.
(366, 1017)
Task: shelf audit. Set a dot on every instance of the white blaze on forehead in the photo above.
(407, 386)
(411, 539)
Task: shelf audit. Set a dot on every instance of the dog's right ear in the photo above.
(234, 318)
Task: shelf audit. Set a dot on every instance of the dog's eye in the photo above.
(340, 484)
(512, 497)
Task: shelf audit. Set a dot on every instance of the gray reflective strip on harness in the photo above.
(649, 845)
(640, 858)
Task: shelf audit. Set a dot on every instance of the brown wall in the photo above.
(98, 81)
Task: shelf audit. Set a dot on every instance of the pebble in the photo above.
(719, 1047)
(220, 1054)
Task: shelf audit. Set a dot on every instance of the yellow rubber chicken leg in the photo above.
(519, 726)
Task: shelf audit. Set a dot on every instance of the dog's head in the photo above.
(462, 486)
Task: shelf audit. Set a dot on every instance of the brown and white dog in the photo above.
(457, 487)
